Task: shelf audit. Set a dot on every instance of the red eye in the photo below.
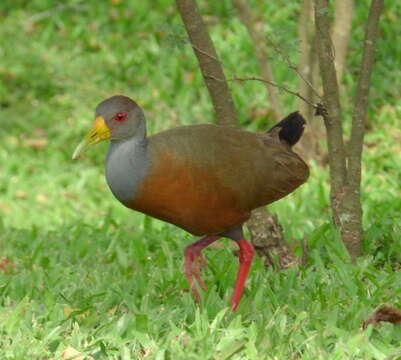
(121, 116)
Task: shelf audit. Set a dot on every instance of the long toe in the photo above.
(196, 271)
(189, 273)
(203, 261)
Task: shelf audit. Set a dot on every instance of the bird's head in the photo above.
(116, 118)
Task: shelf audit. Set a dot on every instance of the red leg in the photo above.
(193, 262)
(246, 252)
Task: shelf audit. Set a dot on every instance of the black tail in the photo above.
(292, 128)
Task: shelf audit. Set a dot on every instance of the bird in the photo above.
(205, 179)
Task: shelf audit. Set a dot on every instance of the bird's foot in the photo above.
(194, 262)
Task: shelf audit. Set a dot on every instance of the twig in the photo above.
(253, 78)
(59, 8)
(204, 52)
(307, 82)
(276, 85)
(293, 67)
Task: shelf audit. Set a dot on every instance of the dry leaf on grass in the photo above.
(39, 132)
(20, 194)
(145, 353)
(6, 265)
(5, 208)
(12, 140)
(69, 310)
(42, 198)
(112, 311)
(69, 353)
(383, 313)
(36, 143)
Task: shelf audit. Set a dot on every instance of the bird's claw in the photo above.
(194, 262)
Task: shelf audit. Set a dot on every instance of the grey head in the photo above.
(123, 116)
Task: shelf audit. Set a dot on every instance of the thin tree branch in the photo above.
(362, 94)
(57, 9)
(292, 66)
(307, 82)
(254, 78)
(197, 48)
(315, 106)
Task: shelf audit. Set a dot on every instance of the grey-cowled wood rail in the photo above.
(206, 179)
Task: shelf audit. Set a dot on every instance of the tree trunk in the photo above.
(268, 238)
(345, 171)
(352, 223)
(332, 118)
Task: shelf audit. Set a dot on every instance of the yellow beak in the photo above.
(99, 132)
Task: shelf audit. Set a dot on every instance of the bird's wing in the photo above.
(257, 168)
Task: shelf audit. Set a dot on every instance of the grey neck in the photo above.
(126, 166)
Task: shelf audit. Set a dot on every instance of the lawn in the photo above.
(81, 271)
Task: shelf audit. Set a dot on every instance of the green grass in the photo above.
(90, 274)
